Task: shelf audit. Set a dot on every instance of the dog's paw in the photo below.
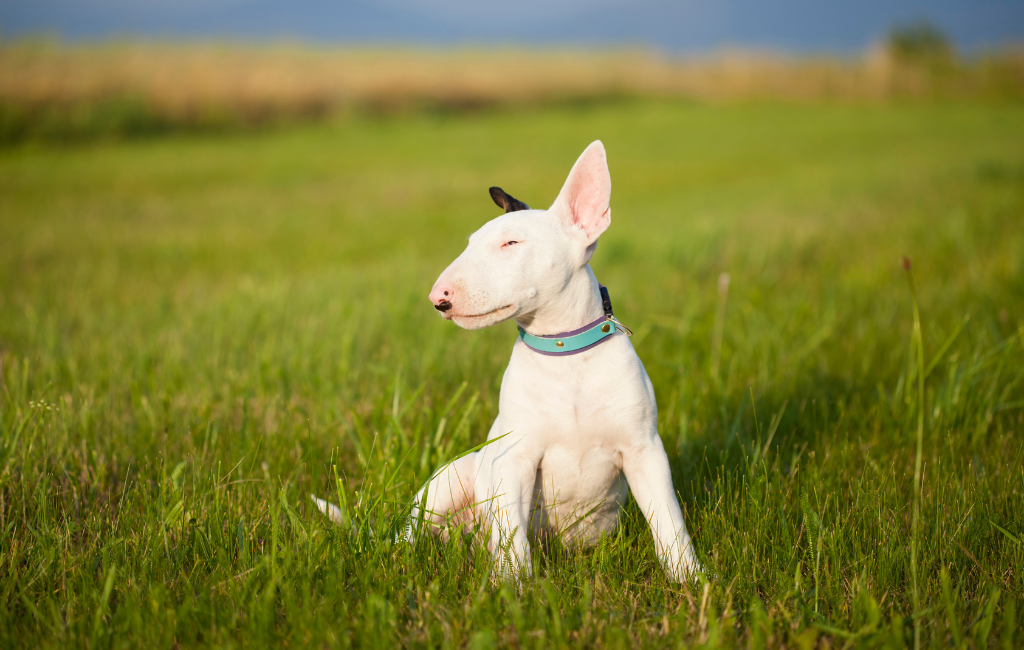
(689, 570)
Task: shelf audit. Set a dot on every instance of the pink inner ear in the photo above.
(587, 204)
(587, 192)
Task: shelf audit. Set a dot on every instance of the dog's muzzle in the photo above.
(444, 305)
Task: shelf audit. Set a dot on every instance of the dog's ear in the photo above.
(506, 202)
(583, 201)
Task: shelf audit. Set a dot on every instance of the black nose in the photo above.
(444, 305)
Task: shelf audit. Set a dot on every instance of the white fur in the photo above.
(332, 511)
(581, 429)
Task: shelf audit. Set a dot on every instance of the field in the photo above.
(198, 331)
(57, 92)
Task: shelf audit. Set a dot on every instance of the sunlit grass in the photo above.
(195, 334)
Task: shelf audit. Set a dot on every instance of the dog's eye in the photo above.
(511, 243)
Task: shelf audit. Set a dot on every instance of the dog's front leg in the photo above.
(512, 486)
(650, 479)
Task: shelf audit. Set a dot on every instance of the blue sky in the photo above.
(677, 26)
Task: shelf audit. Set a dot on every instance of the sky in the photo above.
(684, 26)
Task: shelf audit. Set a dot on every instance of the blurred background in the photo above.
(78, 68)
(686, 26)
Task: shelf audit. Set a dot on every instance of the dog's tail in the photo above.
(332, 511)
(337, 516)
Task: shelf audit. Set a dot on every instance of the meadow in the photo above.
(70, 92)
(196, 332)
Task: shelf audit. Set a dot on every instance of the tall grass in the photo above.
(197, 333)
(918, 355)
(60, 92)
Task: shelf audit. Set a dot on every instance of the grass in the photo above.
(196, 333)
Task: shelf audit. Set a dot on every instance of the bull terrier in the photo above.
(577, 420)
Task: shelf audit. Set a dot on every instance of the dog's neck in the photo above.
(577, 304)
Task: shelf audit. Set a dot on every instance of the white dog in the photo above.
(577, 419)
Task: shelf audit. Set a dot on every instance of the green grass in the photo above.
(194, 334)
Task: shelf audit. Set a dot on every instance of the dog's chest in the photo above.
(577, 414)
(597, 399)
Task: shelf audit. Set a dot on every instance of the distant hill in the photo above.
(673, 25)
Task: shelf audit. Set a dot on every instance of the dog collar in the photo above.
(578, 340)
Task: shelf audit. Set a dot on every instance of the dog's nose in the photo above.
(441, 295)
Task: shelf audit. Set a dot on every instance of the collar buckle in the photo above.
(619, 326)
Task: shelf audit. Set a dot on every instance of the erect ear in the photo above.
(506, 201)
(583, 201)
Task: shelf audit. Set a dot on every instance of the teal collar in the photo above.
(578, 340)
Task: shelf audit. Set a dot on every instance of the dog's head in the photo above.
(517, 262)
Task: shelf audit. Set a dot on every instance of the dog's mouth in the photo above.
(475, 321)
